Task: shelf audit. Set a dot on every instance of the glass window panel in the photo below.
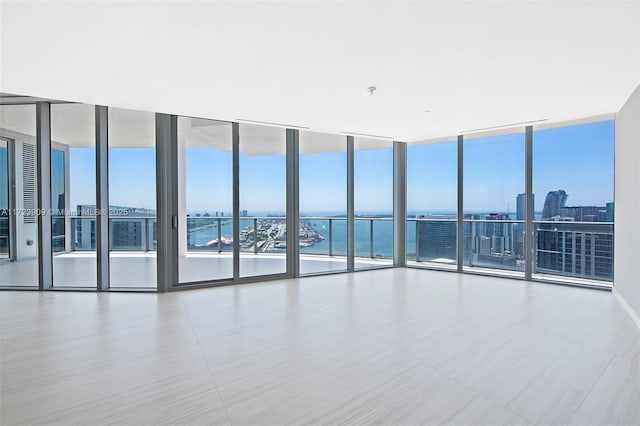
(18, 215)
(4, 200)
(205, 200)
(373, 202)
(432, 203)
(573, 188)
(323, 202)
(263, 205)
(132, 199)
(73, 195)
(494, 168)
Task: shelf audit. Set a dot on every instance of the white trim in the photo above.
(633, 314)
(574, 122)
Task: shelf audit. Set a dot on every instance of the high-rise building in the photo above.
(553, 203)
(129, 228)
(436, 239)
(609, 212)
(521, 207)
(582, 250)
(521, 214)
(584, 213)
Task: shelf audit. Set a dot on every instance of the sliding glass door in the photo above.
(205, 200)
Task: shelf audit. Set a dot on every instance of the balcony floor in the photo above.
(138, 269)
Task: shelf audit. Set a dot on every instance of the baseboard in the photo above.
(633, 314)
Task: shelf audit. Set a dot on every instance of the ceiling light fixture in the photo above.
(371, 89)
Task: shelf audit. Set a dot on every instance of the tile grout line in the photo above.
(595, 383)
(206, 363)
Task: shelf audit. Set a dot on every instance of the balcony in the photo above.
(575, 251)
(206, 254)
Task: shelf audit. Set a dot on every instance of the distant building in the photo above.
(583, 213)
(582, 250)
(436, 239)
(130, 228)
(609, 212)
(521, 214)
(553, 203)
(521, 207)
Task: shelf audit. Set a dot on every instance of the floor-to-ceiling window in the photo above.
(373, 202)
(132, 199)
(574, 206)
(263, 204)
(494, 215)
(205, 200)
(323, 202)
(73, 195)
(19, 198)
(572, 236)
(432, 197)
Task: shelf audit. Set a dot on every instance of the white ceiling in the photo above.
(472, 64)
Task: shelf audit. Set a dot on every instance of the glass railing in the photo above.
(574, 249)
(210, 234)
(4, 237)
(494, 244)
(432, 240)
(373, 237)
(133, 233)
(326, 236)
(84, 230)
(267, 234)
(568, 249)
(582, 250)
(258, 234)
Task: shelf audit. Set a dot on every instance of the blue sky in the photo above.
(578, 159)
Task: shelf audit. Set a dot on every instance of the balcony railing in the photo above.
(571, 249)
(494, 244)
(4, 237)
(258, 234)
(432, 240)
(328, 236)
(574, 249)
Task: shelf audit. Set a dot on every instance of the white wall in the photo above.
(627, 199)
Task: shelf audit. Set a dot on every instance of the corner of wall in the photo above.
(627, 206)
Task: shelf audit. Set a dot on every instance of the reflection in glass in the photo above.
(132, 198)
(373, 202)
(205, 179)
(323, 202)
(262, 200)
(432, 192)
(19, 202)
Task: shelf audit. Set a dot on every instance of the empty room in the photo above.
(319, 212)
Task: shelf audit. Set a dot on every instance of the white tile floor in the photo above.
(138, 269)
(392, 346)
